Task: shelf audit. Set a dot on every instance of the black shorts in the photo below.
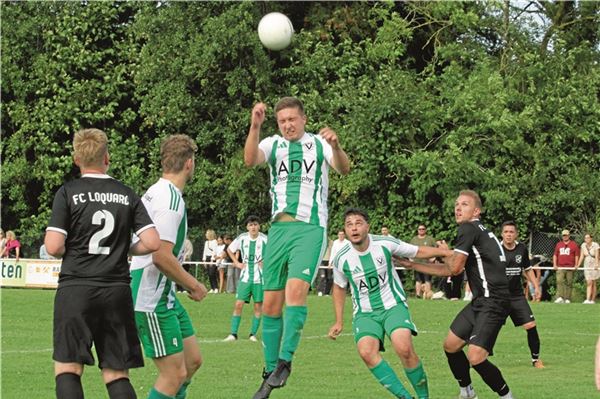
(100, 315)
(520, 311)
(422, 277)
(480, 322)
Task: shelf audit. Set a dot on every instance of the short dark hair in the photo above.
(226, 237)
(289, 102)
(252, 219)
(356, 211)
(509, 223)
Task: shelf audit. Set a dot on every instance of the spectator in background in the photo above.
(44, 253)
(188, 250)
(566, 255)
(336, 245)
(208, 255)
(2, 242)
(590, 255)
(233, 273)
(12, 248)
(422, 280)
(221, 266)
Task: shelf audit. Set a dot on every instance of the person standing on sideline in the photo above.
(251, 246)
(299, 164)
(208, 255)
(219, 256)
(233, 273)
(422, 280)
(566, 255)
(379, 299)
(188, 251)
(590, 257)
(517, 264)
(336, 245)
(479, 252)
(164, 325)
(93, 218)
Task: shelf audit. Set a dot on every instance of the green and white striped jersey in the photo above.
(299, 176)
(152, 290)
(252, 251)
(374, 282)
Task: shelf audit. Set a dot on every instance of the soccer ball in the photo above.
(275, 31)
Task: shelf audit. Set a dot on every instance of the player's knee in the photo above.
(450, 346)
(476, 356)
(529, 325)
(404, 351)
(369, 355)
(193, 364)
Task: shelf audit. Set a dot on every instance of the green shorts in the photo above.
(162, 333)
(295, 250)
(379, 323)
(247, 290)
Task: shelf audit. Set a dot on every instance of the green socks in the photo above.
(294, 319)
(271, 336)
(154, 394)
(418, 379)
(235, 324)
(182, 393)
(255, 324)
(386, 377)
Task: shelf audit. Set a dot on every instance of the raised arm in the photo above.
(252, 154)
(340, 160)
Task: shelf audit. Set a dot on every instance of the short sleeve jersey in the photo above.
(252, 252)
(374, 283)
(152, 290)
(517, 260)
(299, 176)
(426, 241)
(566, 253)
(98, 215)
(486, 261)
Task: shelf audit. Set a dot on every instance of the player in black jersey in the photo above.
(480, 254)
(91, 228)
(517, 263)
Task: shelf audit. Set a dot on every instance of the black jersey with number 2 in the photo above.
(517, 260)
(98, 215)
(486, 262)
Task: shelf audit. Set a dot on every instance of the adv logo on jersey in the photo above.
(372, 282)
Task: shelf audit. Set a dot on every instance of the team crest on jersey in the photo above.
(518, 258)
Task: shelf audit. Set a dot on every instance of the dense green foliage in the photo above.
(323, 369)
(427, 97)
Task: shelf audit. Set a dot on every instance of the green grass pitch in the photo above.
(322, 368)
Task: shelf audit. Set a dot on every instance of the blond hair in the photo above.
(90, 146)
(211, 235)
(11, 235)
(175, 150)
(474, 195)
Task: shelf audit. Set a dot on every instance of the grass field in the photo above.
(322, 368)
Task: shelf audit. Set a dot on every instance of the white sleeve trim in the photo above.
(57, 230)
(137, 233)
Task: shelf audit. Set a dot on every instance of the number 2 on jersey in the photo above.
(109, 226)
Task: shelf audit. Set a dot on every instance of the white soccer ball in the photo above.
(275, 31)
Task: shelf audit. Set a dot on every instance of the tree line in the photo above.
(427, 98)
